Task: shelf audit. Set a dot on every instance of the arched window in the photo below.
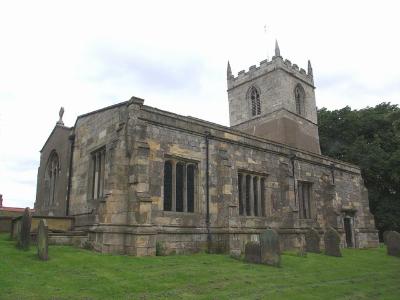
(299, 96)
(254, 96)
(51, 178)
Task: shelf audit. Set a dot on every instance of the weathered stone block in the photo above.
(43, 240)
(252, 252)
(393, 243)
(25, 231)
(332, 242)
(312, 241)
(270, 251)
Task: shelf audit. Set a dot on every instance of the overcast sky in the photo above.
(85, 55)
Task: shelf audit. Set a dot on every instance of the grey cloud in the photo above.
(156, 73)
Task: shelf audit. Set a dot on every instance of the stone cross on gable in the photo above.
(61, 113)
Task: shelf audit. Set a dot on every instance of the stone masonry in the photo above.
(237, 181)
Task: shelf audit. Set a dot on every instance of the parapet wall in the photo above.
(266, 66)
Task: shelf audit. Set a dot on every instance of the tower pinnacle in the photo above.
(277, 51)
(310, 72)
(228, 71)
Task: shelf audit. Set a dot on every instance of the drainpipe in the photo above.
(208, 135)
(72, 141)
(292, 157)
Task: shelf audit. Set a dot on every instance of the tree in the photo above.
(369, 138)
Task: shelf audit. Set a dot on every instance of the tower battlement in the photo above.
(266, 66)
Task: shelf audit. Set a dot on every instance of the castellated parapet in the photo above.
(266, 66)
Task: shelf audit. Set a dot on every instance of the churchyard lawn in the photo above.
(72, 273)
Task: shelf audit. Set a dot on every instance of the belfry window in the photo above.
(255, 101)
(51, 178)
(179, 186)
(299, 96)
(251, 190)
(98, 164)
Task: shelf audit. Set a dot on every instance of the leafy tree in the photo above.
(369, 138)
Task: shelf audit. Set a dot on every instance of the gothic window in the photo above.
(98, 164)
(251, 189)
(51, 178)
(179, 186)
(304, 193)
(299, 96)
(254, 96)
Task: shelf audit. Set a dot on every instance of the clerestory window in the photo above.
(179, 185)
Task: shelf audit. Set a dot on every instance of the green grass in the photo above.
(73, 273)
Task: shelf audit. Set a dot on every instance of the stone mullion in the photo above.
(251, 195)
(243, 184)
(173, 206)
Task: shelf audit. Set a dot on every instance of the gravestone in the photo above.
(43, 240)
(269, 244)
(393, 243)
(312, 241)
(24, 236)
(252, 252)
(332, 242)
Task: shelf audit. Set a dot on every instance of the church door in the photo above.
(348, 229)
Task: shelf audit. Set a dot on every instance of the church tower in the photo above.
(276, 101)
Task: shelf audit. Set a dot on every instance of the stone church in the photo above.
(139, 180)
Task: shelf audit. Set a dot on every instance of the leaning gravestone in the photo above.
(332, 242)
(269, 244)
(393, 243)
(43, 240)
(252, 252)
(24, 238)
(312, 241)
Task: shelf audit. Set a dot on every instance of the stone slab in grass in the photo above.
(24, 235)
(270, 251)
(332, 242)
(43, 240)
(393, 243)
(312, 241)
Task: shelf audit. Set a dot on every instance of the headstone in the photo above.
(269, 246)
(252, 252)
(43, 240)
(393, 243)
(312, 241)
(25, 230)
(332, 242)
